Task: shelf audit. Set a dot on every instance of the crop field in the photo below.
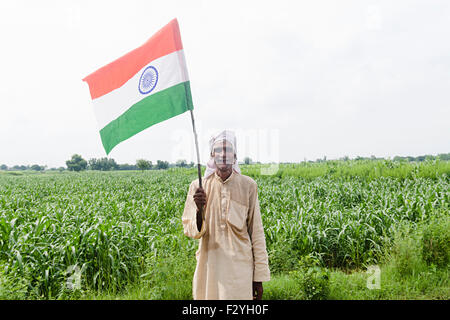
(116, 229)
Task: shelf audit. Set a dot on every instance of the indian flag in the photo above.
(146, 86)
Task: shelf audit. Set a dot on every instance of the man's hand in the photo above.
(257, 290)
(200, 201)
(200, 198)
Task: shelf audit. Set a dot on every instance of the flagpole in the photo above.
(198, 157)
(196, 147)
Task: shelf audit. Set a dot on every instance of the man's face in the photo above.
(223, 154)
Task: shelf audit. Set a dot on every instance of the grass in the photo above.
(426, 284)
(123, 231)
(405, 274)
(368, 169)
(406, 270)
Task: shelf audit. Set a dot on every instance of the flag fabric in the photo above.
(146, 86)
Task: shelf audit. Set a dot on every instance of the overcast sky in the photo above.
(294, 79)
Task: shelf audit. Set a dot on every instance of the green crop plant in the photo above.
(105, 227)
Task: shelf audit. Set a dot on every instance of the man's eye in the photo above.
(219, 150)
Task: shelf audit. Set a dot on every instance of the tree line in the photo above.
(77, 163)
(34, 167)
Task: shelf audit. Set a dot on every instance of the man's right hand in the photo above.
(200, 198)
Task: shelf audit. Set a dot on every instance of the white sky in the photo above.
(294, 79)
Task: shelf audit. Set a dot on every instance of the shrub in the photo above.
(282, 257)
(169, 276)
(436, 242)
(313, 279)
(404, 255)
(10, 287)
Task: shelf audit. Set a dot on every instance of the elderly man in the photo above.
(232, 260)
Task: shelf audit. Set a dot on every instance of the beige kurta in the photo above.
(232, 250)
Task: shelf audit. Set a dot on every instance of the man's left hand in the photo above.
(257, 290)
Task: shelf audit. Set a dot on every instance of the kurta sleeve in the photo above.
(190, 215)
(261, 270)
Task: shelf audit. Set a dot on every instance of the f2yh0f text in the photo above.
(234, 309)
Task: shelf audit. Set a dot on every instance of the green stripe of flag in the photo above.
(151, 110)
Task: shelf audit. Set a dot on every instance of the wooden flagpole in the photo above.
(196, 147)
(199, 169)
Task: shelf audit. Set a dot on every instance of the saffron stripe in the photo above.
(116, 73)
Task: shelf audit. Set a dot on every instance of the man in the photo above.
(232, 260)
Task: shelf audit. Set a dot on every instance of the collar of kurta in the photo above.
(216, 176)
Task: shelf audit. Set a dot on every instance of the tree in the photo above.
(444, 156)
(162, 164)
(22, 167)
(247, 160)
(4, 167)
(37, 167)
(143, 164)
(110, 164)
(420, 158)
(181, 163)
(93, 164)
(126, 166)
(104, 164)
(77, 163)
